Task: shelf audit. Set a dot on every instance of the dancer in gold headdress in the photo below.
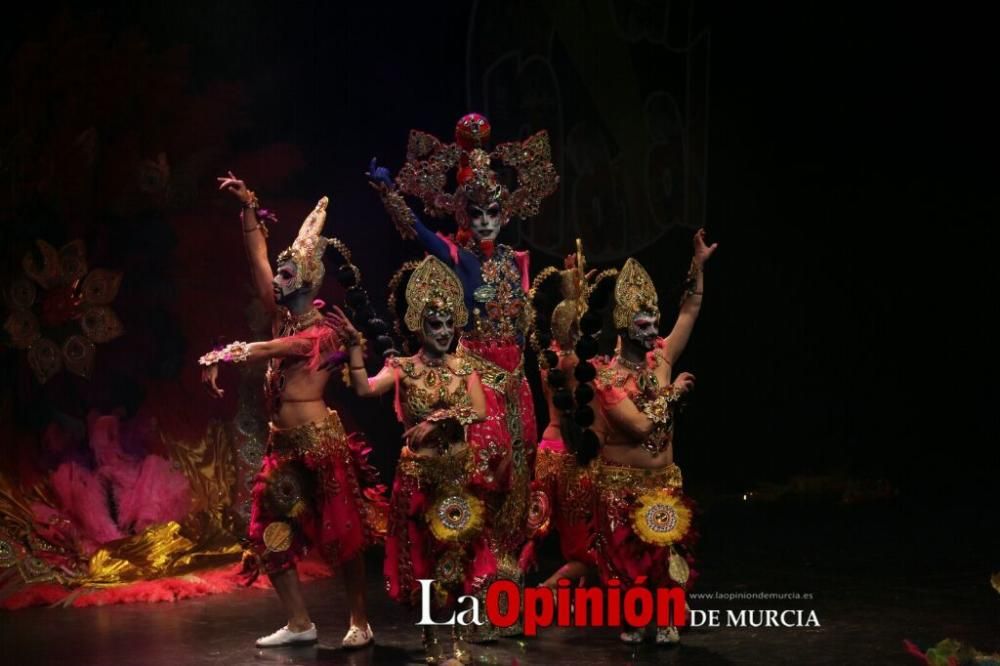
(315, 488)
(495, 281)
(643, 520)
(437, 525)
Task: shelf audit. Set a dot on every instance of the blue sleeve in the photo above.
(470, 272)
(432, 243)
(468, 269)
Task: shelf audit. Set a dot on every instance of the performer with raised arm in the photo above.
(495, 281)
(315, 488)
(643, 520)
(438, 513)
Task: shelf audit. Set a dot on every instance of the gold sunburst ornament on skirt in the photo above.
(660, 518)
(455, 517)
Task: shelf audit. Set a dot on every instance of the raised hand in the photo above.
(379, 178)
(239, 189)
(418, 434)
(209, 377)
(684, 383)
(338, 321)
(702, 251)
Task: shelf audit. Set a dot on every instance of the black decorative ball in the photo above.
(590, 323)
(584, 372)
(584, 416)
(557, 378)
(586, 348)
(377, 326)
(583, 394)
(562, 399)
(346, 276)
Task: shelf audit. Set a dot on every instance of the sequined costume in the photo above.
(315, 489)
(495, 281)
(568, 491)
(562, 489)
(642, 517)
(438, 522)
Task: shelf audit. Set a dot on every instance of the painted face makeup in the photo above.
(484, 222)
(285, 283)
(438, 331)
(644, 329)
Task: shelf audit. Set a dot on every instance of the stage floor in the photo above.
(867, 596)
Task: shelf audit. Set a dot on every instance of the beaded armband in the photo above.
(400, 213)
(235, 352)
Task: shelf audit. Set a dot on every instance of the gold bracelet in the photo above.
(253, 202)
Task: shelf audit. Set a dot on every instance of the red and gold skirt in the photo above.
(315, 490)
(643, 524)
(563, 498)
(437, 530)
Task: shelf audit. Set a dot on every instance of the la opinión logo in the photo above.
(608, 606)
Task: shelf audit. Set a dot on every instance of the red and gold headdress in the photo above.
(428, 162)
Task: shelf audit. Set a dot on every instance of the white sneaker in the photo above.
(357, 637)
(286, 636)
(634, 636)
(667, 636)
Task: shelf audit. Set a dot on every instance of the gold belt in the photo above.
(446, 468)
(491, 374)
(549, 462)
(321, 437)
(611, 476)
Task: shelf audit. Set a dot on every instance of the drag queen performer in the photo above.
(562, 494)
(437, 519)
(315, 488)
(495, 281)
(643, 520)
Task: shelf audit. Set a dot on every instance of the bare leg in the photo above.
(286, 584)
(573, 570)
(353, 572)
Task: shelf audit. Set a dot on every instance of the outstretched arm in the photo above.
(406, 221)
(360, 382)
(691, 305)
(240, 352)
(254, 238)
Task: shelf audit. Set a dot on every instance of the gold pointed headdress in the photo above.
(308, 247)
(566, 315)
(433, 284)
(634, 292)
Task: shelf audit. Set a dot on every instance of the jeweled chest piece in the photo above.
(645, 379)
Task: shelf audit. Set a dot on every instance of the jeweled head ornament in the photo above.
(306, 251)
(433, 284)
(573, 287)
(428, 162)
(634, 293)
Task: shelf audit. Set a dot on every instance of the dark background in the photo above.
(847, 330)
